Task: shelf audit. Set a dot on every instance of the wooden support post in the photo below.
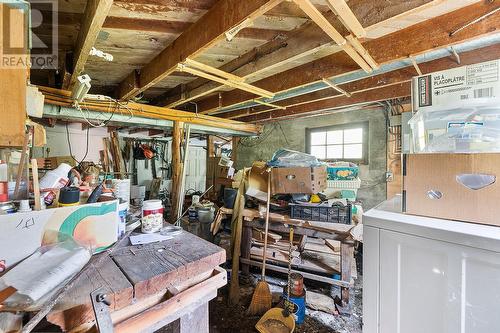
(234, 152)
(210, 146)
(176, 169)
(346, 256)
(246, 245)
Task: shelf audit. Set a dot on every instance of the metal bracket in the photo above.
(101, 311)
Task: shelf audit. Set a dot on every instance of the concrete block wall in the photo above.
(291, 134)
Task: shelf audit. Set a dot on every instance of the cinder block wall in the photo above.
(291, 134)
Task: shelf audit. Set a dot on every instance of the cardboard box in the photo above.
(95, 225)
(298, 180)
(476, 84)
(461, 187)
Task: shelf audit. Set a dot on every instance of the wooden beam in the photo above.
(176, 169)
(337, 88)
(382, 80)
(362, 51)
(208, 30)
(258, 101)
(347, 17)
(417, 39)
(63, 98)
(226, 79)
(330, 30)
(415, 65)
(379, 94)
(306, 40)
(93, 19)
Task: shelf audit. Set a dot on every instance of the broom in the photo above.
(261, 299)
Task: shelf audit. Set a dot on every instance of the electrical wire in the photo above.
(70, 149)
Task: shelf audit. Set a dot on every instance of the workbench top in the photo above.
(132, 274)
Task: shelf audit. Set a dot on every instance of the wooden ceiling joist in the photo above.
(330, 30)
(208, 30)
(93, 20)
(308, 39)
(324, 99)
(416, 39)
(347, 17)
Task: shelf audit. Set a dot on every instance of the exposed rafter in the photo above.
(293, 46)
(417, 39)
(330, 30)
(327, 99)
(93, 20)
(208, 30)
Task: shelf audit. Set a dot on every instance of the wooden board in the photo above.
(75, 307)
(153, 267)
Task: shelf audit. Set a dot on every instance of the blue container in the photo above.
(299, 306)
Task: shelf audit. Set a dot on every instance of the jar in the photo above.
(152, 216)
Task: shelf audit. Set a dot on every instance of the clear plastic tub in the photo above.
(464, 130)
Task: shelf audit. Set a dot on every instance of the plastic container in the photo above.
(69, 196)
(152, 216)
(122, 218)
(122, 189)
(464, 130)
(205, 214)
(299, 306)
(54, 179)
(342, 171)
(334, 214)
(24, 206)
(345, 189)
(3, 171)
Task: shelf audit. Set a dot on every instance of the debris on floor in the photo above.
(226, 318)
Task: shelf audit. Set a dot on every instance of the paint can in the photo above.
(122, 218)
(296, 284)
(152, 216)
(69, 196)
(299, 306)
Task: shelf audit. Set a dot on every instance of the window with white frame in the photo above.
(347, 142)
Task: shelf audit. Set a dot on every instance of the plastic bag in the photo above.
(285, 158)
(42, 274)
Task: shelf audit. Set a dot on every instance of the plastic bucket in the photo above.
(152, 216)
(122, 218)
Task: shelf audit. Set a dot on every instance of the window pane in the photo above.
(353, 151)
(319, 152)
(354, 135)
(318, 138)
(335, 137)
(334, 151)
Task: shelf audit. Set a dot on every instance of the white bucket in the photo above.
(122, 189)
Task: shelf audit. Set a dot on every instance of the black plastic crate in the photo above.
(334, 214)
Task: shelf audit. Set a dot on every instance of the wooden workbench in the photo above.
(149, 286)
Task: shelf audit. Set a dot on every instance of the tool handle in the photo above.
(268, 205)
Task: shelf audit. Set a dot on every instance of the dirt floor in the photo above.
(228, 318)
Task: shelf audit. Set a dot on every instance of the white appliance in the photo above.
(427, 275)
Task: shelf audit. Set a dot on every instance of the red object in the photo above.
(153, 211)
(4, 197)
(296, 284)
(4, 187)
